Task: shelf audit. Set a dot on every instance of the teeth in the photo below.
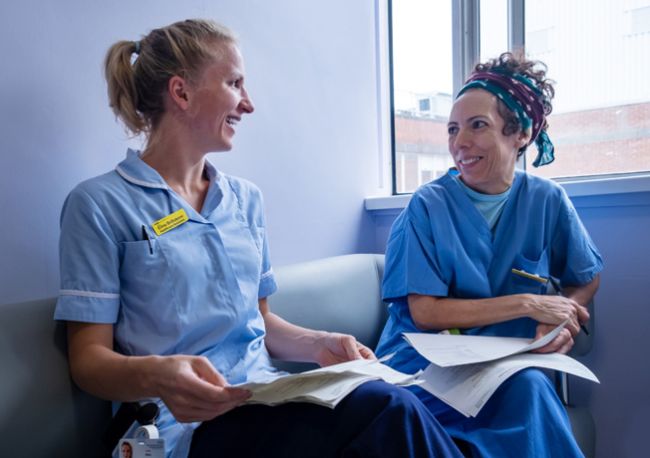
(469, 161)
(231, 121)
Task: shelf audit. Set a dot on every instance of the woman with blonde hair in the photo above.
(165, 271)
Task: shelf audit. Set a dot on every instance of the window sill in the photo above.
(605, 186)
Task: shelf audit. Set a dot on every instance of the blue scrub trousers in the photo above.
(375, 420)
(523, 418)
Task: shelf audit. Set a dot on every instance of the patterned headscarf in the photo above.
(525, 100)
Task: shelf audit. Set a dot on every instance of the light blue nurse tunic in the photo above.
(192, 290)
(441, 245)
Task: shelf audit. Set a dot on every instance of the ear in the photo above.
(523, 137)
(178, 90)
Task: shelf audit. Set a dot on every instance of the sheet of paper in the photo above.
(467, 388)
(326, 385)
(324, 389)
(453, 350)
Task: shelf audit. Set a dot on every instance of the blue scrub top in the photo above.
(192, 290)
(441, 245)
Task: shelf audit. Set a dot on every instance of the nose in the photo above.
(246, 102)
(461, 139)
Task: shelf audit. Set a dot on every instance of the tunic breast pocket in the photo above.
(142, 258)
(537, 270)
(144, 277)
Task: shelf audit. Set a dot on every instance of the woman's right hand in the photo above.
(193, 389)
(190, 386)
(557, 309)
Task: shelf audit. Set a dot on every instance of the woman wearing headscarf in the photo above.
(473, 252)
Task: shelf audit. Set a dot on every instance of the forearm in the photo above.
(117, 377)
(101, 371)
(440, 313)
(585, 293)
(289, 342)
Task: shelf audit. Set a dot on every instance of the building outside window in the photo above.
(596, 51)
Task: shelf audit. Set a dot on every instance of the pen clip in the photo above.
(145, 236)
(523, 273)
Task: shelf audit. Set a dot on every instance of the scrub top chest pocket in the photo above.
(529, 275)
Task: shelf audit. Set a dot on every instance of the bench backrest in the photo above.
(42, 412)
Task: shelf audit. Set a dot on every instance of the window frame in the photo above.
(465, 52)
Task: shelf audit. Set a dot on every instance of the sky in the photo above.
(596, 50)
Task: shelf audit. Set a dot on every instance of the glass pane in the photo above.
(597, 52)
(422, 78)
(494, 28)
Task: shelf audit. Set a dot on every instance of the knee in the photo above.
(529, 383)
(532, 378)
(390, 397)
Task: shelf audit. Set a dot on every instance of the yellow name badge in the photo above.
(169, 222)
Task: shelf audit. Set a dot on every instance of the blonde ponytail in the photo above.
(136, 87)
(122, 93)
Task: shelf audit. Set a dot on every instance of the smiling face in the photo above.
(219, 100)
(484, 156)
(126, 450)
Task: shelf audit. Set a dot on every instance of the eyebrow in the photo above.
(236, 74)
(470, 119)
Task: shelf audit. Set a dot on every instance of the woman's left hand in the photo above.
(561, 344)
(337, 348)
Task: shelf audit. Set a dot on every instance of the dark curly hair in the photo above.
(511, 64)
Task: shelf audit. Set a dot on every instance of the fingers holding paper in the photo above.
(562, 343)
(553, 310)
(193, 390)
(337, 348)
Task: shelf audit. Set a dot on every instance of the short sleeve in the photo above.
(267, 278)
(575, 260)
(89, 263)
(412, 265)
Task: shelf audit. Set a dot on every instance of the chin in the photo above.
(221, 147)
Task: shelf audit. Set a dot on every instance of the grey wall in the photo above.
(311, 74)
(620, 227)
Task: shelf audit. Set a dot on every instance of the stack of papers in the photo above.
(467, 370)
(464, 372)
(325, 386)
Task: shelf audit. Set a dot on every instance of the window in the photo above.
(596, 51)
(422, 86)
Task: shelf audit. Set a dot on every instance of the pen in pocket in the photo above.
(523, 273)
(145, 236)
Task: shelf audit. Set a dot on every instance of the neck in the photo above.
(492, 187)
(179, 162)
(174, 157)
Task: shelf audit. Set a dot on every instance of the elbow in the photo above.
(596, 283)
(429, 313)
(79, 373)
(423, 312)
(419, 318)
